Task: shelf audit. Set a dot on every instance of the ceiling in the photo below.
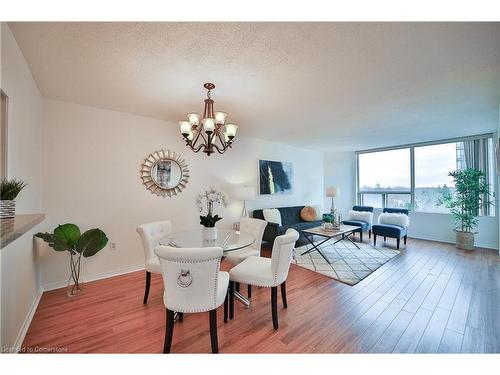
(326, 86)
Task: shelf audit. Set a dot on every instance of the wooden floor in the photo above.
(432, 298)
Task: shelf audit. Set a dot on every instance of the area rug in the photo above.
(347, 263)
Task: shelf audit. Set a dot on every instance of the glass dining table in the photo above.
(228, 239)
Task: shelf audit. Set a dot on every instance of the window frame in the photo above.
(411, 147)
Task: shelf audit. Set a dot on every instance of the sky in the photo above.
(392, 168)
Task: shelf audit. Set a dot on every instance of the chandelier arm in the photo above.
(218, 149)
(221, 139)
(197, 149)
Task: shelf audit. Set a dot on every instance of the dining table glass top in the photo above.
(228, 239)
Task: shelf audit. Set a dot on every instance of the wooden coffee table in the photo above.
(343, 232)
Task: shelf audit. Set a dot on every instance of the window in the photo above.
(416, 176)
(384, 178)
(432, 164)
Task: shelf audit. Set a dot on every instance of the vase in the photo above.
(7, 209)
(465, 240)
(74, 287)
(210, 234)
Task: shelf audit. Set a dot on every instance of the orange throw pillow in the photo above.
(308, 213)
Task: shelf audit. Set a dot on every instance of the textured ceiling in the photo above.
(328, 86)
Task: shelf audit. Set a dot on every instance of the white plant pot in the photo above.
(7, 209)
(210, 233)
(465, 240)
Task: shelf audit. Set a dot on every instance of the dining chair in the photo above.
(256, 228)
(151, 234)
(265, 272)
(193, 284)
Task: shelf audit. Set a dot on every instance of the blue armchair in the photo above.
(391, 230)
(364, 225)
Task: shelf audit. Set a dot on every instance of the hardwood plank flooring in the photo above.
(432, 298)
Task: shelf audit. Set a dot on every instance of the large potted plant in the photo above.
(211, 198)
(471, 193)
(67, 237)
(9, 190)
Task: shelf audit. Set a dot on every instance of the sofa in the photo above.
(290, 218)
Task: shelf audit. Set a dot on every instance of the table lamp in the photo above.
(245, 193)
(333, 192)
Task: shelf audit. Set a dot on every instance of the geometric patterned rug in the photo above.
(348, 264)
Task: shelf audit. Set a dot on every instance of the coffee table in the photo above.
(343, 232)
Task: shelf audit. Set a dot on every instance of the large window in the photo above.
(380, 188)
(416, 176)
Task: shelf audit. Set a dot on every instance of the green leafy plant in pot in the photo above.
(67, 237)
(471, 193)
(9, 190)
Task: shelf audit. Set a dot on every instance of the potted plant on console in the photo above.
(9, 190)
(471, 193)
(67, 237)
(208, 200)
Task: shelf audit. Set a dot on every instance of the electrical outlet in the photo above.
(112, 246)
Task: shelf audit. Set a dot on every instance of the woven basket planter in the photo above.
(465, 240)
(7, 209)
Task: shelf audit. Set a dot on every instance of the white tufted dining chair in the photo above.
(256, 228)
(151, 234)
(193, 283)
(265, 272)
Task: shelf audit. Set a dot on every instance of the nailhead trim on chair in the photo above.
(215, 283)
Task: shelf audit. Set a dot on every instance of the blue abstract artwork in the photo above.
(275, 177)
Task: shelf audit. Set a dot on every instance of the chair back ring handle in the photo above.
(184, 279)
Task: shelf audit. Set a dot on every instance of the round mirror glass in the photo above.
(166, 173)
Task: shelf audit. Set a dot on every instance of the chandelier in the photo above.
(209, 133)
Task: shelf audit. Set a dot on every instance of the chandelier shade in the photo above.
(208, 133)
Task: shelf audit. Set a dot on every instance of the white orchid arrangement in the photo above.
(210, 198)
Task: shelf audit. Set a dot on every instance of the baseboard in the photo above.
(24, 328)
(439, 239)
(95, 277)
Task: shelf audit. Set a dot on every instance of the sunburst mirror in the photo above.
(164, 173)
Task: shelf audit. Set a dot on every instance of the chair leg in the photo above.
(370, 234)
(231, 299)
(385, 238)
(374, 239)
(249, 293)
(213, 331)
(404, 239)
(226, 306)
(181, 316)
(237, 287)
(169, 331)
(283, 294)
(274, 306)
(148, 284)
(397, 242)
(361, 236)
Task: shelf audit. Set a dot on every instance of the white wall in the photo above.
(91, 167)
(19, 274)
(340, 170)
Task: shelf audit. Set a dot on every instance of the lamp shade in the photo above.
(333, 191)
(245, 193)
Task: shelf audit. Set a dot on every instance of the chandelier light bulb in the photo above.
(194, 118)
(185, 127)
(208, 124)
(231, 130)
(220, 117)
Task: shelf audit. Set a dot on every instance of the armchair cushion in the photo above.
(388, 230)
(401, 220)
(363, 225)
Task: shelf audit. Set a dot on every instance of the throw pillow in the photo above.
(394, 219)
(272, 215)
(361, 216)
(308, 213)
(319, 211)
